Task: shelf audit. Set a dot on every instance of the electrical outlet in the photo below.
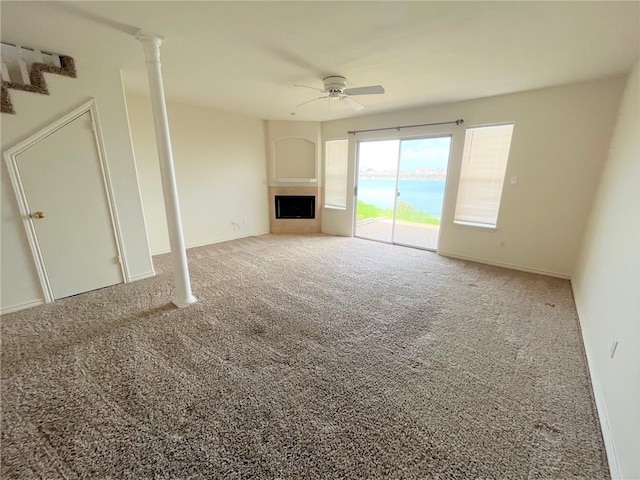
(614, 347)
(502, 243)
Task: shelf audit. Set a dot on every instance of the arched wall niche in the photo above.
(294, 159)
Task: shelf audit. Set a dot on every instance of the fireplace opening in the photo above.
(295, 206)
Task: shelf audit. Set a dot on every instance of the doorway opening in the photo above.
(400, 190)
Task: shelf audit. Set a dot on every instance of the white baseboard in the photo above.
(507, 265)
(227, 239)
(213, 242)
(22, 306)
(607, 436)
(142, 276)
(336, 234)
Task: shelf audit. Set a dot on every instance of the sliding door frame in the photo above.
(377, 137)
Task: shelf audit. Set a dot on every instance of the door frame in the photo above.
(400, 138)
(12, 165)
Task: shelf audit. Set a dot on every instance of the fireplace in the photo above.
(295, 209)
(295, 206)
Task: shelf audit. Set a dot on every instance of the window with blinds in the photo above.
(484, 164)
(335, 173)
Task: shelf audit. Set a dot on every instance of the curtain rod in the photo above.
(459, 121)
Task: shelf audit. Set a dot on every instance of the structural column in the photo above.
(151, 44)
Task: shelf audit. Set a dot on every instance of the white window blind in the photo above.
(484, 164)
(335, 173)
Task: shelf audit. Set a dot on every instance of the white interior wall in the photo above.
(19, 283)
(560, 139)
(606, 286)
(220, 169)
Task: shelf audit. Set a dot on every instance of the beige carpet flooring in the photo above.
(306, 357)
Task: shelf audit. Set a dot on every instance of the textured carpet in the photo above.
(305, 357)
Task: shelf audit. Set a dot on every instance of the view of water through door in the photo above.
(401, 190)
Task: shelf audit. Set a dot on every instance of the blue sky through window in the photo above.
(424, 153)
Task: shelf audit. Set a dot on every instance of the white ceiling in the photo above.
(245, 57)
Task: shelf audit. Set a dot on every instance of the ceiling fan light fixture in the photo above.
(335, 86)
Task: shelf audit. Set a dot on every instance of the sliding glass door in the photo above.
(376, 191)
(400, 190)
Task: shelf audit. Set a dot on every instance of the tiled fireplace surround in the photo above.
(295, 225)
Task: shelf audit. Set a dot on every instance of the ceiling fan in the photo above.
(335, 87)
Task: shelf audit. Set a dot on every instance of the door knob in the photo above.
(38, 215)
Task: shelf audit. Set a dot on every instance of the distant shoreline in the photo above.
(424, 192)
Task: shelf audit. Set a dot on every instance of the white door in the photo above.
(65, 194)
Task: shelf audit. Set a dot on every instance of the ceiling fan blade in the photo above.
(312, 100)
(312, 88)
(370, 90)
(352, 104)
